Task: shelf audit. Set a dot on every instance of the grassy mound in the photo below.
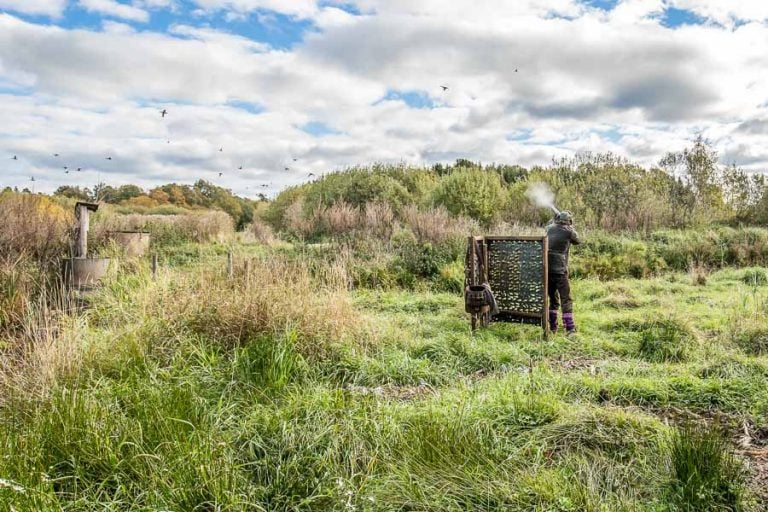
(660, 340)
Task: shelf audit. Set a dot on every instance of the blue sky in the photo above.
(317, 85)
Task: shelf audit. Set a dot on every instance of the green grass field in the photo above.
(280, 389)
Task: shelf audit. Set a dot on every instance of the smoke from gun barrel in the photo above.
(554, 209)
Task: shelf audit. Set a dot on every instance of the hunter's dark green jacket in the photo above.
(559, 239)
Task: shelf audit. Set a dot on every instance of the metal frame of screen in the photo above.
(515, 267)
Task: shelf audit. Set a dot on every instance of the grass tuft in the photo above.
(706, 473)
(661, 340)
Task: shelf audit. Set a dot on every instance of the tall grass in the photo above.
(269, 297)
(201, 227)
(34, 226)
(707, 475)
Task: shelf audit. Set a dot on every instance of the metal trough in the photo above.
(85, 273)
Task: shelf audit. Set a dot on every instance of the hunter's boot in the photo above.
(570, 325)
(552, 320)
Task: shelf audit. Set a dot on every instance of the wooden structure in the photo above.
(79, 271)
(514, 268)
(82, 212)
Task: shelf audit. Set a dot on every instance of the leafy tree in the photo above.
(77, 193)
(697, 168)
(473, 193)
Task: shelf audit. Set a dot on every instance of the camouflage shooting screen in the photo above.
(516, 276)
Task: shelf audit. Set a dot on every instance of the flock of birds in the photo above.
(163, 114)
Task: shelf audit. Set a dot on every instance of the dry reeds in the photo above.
(267, 297)
(378, 219)
(261, 231)
(33, 226)
(200, 227)
(437, 225)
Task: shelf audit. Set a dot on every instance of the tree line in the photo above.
(685, 189)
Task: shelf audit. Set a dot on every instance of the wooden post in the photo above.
(82, 211)
(154, 266)
(81, 245)
(230, 269)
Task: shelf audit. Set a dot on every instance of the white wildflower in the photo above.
(8, 484)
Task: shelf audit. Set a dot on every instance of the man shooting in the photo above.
(560, 236)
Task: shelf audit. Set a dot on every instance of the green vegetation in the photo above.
(687, 189)
(707, 475)
(335, 369)
(280, 389)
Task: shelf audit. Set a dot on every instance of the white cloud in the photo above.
(725, 12)
(45, 7)
(297, 8)
(115, 9)
(586, 79)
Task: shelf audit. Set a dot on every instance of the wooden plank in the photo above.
(515, 238)
(519, 313)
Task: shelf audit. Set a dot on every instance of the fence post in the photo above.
(154, 266)
(230, 269)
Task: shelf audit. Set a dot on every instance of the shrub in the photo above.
(473, 193)
(262, 232)
(33, 226)
(451, 278)
(338, 220)
(296, 222)
(706, 474)
(378, 219)
(436, 225)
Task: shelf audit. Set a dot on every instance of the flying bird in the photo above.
(65, 167)
(32, 178)
(295, 159)
(109, 158)
(240, 168)
(55, 154)
(79, 169)
(168, 142)
(444, 87)
(15, 157)
(163, 113)
(287, 168)
(67, 171)
(220, 174)
(221, 149)
(310, 174)
(515, 70)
